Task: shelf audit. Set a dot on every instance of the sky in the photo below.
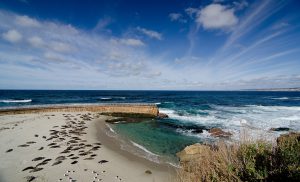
(149, 44)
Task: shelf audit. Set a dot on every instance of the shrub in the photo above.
(248, 161)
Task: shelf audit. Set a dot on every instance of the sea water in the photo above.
(191, 114)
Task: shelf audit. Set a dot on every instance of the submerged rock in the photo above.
(162, 115)
(280, 129)
(217, 132)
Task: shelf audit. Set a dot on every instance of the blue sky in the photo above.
(152, 45)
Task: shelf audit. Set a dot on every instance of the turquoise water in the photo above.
(154, 137)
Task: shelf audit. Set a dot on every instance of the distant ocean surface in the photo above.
(191, 113)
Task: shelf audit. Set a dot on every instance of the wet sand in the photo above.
(68, 146)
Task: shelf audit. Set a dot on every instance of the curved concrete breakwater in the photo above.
(149, 110)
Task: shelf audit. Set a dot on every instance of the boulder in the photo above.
(217, 132)
(193, 151)
(162, 115)
(286, 138)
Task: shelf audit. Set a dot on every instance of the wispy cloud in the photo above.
(177, 17)
(150, 33)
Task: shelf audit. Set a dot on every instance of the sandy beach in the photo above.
(68, 146)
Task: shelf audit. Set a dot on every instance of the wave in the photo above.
(188, 117)
(235, 119)
(105, 98)
(280, 98)
(286, 98)
(112, 98)
(16, 101)
(143, 148)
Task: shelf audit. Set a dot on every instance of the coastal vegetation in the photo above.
(246, 161)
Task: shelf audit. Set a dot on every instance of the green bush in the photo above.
(255, 160)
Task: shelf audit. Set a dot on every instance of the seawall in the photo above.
(143, 109)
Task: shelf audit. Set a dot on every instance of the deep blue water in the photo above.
(191, 113)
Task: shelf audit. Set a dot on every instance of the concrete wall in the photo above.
(113, 108)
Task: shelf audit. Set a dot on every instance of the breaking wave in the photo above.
(234, 119)
(16, 101)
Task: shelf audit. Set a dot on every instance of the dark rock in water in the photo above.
(162, 115)
(217, 132)
(191, 127)
(280, 129)
(36, 135)
(9, 150)
(30, 178)
(74, 157)
(27, 168)
(197, 130)
(102, 161)
(38, 158)
(44, 137)
(74, 162)
(148, 172)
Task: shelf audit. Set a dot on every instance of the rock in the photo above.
(193, 151)
(217, 132)
(162, 115)
(148, 172)
(286, 138)
(280, 129)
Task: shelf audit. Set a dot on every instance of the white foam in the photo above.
(106, 98)
(142, 148)
(201, 119)
(280, 98)
(234, 119)
(16, 101)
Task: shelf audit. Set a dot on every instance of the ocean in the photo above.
(191, 114)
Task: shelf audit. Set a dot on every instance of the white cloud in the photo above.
(175, 16)
(26, 21)
(12, 36)
(150, 33)
(191, 11)
(36, 41)
(216, 16)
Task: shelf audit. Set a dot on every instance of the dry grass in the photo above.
(246, 161)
